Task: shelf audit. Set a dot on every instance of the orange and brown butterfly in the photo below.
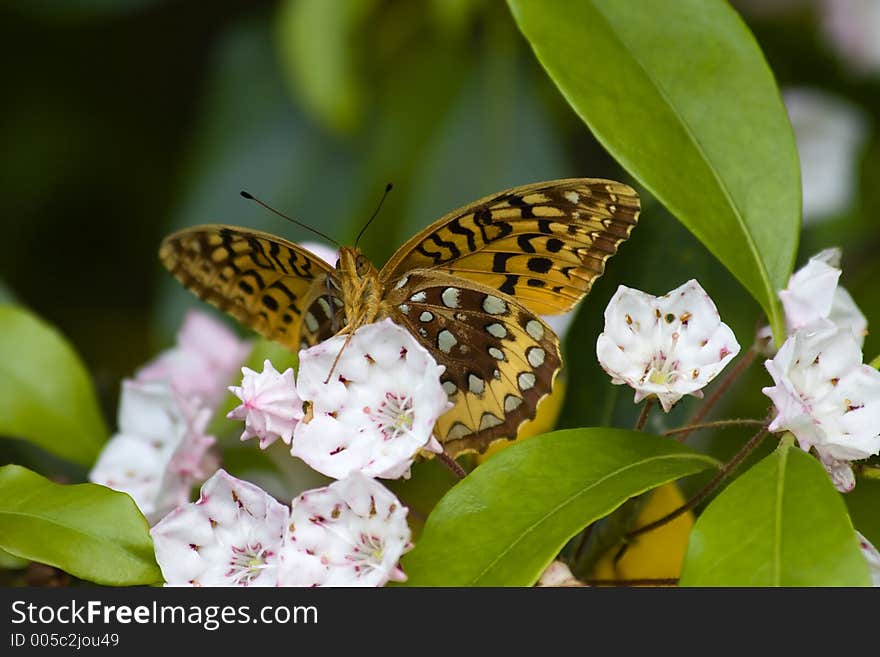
(469, 287)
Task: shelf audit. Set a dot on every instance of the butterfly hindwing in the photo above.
(263, 281)
(544, 243)
(500, 358)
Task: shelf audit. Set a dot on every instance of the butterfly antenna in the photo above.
(388, 188)
(338, 356)
(251, 197)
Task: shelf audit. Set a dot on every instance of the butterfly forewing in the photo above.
(263, 281)
(500, 358)
(545, 243)
(468, 287)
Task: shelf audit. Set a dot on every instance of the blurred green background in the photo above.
(127, 119)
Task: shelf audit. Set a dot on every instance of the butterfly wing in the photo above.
(543, 243)
(263, 281)
(500, 358)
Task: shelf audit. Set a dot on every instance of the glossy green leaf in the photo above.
(316, 40)
(679, 93)
(507, 520)
(46, 395)
(781, 523)
(87, 530)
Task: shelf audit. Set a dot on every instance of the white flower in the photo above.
(852, 27)
(160, 450)
(326, 253)
(379, 407)
(813, 295)
(355, 528)
(825, 396)
(840, 471)
(205, 359)
(669, 346)
(558, 574)
(872, 556)
(270, 406)
(830, 133)
(232, 536)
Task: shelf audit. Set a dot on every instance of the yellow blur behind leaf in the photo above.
(657, 554)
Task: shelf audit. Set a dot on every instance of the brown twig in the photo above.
(707, 490)
(643, 417)
(743, 364)
(711, 425)
(450, 463)
(669, 581)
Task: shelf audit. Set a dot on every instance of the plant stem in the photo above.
(726, 382)
(450, 463)
(631, 582)
(715, 423)
(707, 490)
(643, 417)
(585, 536)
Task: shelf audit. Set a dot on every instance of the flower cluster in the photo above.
(160, 449)
(667, 346)
(371, 399)
(350, 533)
(823, 393)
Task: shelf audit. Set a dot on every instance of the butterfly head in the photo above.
(353, 263)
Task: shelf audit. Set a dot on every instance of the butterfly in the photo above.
(470, 288)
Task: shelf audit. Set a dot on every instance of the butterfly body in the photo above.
(469, 288)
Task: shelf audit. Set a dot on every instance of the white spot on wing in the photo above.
(458, 430)
(526, 381)
(497, 330)
(512, 402)
(450, 297)
(446, 341)
(535, 329)
(535, 356)
(403, 308)
(572, 196)
(475, 384)
(418, 297)
(489, 420)
(494, 305)
(311, 322)
(426, 316)
(450, 388)
(403, 281)
(496, 353)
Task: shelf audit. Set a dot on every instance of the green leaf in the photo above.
(679, 93)
(781, 523)
(316, 40)
(46, 395)
(506, 521)
(87, 530)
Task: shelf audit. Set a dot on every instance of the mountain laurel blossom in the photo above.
(827, 397)
(160, 450)
(355, 528)
(232, 536)
(377, 410)
(668, 346)
(872, 556)
(813, 294)
(830, 133)
(350, 533)
(271, 407)
(206, 358)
